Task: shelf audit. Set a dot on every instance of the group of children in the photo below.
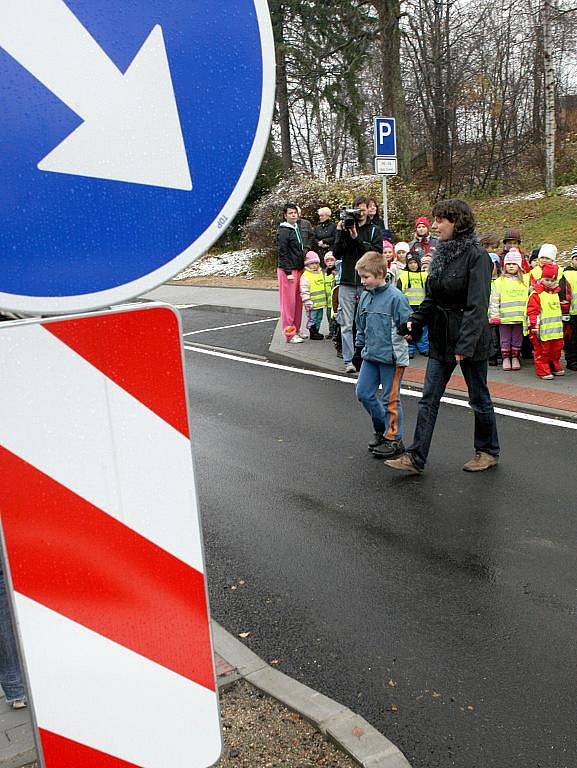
(534, 298)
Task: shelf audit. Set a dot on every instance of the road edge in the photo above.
(349, 731)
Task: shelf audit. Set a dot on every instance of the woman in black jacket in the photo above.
(455, 311)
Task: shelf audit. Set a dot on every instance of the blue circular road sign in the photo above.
(131, 133)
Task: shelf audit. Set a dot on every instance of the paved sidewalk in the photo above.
(522, 388)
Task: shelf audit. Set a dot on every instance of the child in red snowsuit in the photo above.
(544, 316)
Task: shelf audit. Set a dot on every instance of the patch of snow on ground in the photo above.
(570, 191)
(230, 264)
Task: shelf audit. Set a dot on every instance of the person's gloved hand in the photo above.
(495, 321)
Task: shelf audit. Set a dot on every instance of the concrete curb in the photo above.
(349, 731)
(181, 284)
(235, 310)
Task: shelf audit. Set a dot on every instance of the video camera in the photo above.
(350, 217)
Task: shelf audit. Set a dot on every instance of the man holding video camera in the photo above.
(355, 237)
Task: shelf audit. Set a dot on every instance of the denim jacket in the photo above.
(379, 314)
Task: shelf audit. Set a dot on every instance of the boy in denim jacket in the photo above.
(382, 310)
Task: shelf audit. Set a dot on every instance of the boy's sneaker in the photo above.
(350, 368)
(547, 377)
(515, 364)
(378, 438)
(507, 364)
(560, 372)
(296, 340)
(19, 703)
(389, 449)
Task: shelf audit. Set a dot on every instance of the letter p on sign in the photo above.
(385, 137)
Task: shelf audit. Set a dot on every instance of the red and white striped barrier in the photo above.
(101, 526)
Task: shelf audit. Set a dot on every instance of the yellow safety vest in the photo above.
(413, 286)
(513, 299)
(321, 286)
(550, 322)
(571, 277)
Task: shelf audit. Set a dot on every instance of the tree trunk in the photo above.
(392, 87)
(549, 99)
(277, 17)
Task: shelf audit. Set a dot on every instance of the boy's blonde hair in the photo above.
(374, 263)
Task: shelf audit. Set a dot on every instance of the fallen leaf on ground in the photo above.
(394, 708)
(392, 684)
(243, 634)
(358, 732)
(275, 661)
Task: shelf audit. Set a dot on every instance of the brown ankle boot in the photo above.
(480, 462)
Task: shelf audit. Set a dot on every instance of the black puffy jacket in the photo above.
(290, 249)
(456, 303)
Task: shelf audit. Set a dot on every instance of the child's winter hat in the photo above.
(423, 220)
(549, 251)
(387, 244)
(312, 258)
(330, 256)
(550, 270)
(405, 247)
(513, 256)
(413, 256)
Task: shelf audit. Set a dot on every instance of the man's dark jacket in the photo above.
(456, 302)
(369, 238)
(290, 250)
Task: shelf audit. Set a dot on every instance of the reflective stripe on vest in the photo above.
(321, 286)
(513, 299)
(571, 277)
(415, 291)
(550, 322)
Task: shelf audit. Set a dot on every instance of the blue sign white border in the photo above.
(376, 120)
(55, 305)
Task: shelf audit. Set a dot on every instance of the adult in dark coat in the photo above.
(325, 233)
(455, 311)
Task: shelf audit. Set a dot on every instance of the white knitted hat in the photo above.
(549, 251)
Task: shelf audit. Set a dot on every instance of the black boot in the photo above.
(378, 438)
(389, 449)
(314, 334)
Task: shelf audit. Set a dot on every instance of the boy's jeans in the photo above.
(436, 380)
(386, 412)
(10, 674)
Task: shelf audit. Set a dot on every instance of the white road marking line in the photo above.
(236, 325)
(185, 306)
(407, 392)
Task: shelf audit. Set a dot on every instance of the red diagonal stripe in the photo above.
(139, 350)
(75, 559)
(65, 753)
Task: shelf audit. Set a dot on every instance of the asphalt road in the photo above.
(441, 608)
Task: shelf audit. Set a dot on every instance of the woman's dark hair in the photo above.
(373, 200)
(457, 212)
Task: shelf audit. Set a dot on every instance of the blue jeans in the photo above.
(386, 412)
(348, 299)
(423, 343)
(314, 317)
(10, 674)
(436, 380)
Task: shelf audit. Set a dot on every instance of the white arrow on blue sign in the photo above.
(130, 136)
(385, 137)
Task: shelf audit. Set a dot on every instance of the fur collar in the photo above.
(450, 250)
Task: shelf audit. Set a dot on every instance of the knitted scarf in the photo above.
(450, 250)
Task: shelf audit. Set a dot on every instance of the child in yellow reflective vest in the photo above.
(316, 289)
(570, 326)
(509, 294)
(544, 323)
(412, 283)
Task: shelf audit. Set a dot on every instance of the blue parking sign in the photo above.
(385, 137)
(130, 136)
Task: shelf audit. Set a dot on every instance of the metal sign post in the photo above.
(385, 139)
